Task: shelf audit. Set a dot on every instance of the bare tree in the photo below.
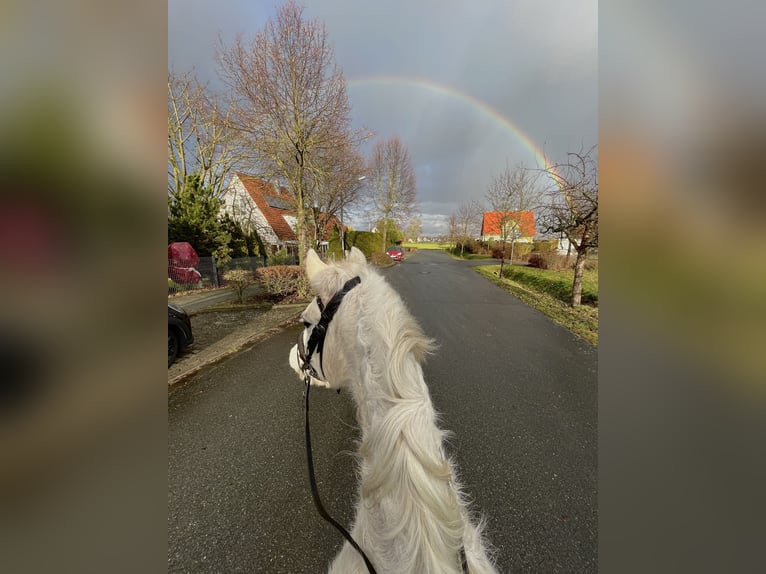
(511, 192)
(291, 104)
(199, 142)
(572, 208)
(393, 183)
(452, 229)
(335, 184)
(467, 222)
(413, 229)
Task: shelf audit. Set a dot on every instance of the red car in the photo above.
(395, 253)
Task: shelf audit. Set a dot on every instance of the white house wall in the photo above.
(508, 239)
(238, 203)
(563, 246)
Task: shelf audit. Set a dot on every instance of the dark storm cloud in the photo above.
(532, 63)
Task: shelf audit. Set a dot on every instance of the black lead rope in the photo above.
(315, 491)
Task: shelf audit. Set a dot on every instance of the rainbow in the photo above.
(451, 92)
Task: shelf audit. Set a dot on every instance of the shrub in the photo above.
(545, 245)
(549, 260)
(281, 257)
(591, 264)
(334, 250)
(238, 279)
(520, 250)
(497, 251)
(538, 261)
(366, 241)
(482, 248)
(284, 280)
(468, 246)
(380, 259)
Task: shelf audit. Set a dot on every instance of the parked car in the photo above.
(395, 253)
(179, 332)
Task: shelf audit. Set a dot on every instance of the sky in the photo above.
(469, 86)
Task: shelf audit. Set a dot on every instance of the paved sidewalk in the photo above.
(262, 326)
(199, 300)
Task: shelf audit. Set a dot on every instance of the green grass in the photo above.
(558, 284)
(427, 245)
(541, 289)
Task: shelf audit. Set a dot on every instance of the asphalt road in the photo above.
(518, 392)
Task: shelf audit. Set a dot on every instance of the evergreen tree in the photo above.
(193, 217)
(242, 244)
(392, 234)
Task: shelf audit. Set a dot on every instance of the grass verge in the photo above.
(582, 320)
(557, 284)
(469, 256)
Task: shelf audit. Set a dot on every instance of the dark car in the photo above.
(395, 253)
(179, 332)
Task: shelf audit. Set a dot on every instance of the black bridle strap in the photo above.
(319, 332)
(315, 491)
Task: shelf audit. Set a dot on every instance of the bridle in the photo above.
(319, 332)
(305, 353)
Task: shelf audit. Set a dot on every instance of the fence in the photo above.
(207, 274)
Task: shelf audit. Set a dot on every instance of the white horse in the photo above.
(411, 516)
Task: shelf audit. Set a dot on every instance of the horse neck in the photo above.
(404, 470)
(391, 374)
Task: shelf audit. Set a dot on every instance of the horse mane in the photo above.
(403, 466)
(411, 513)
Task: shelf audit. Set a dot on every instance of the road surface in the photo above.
(518, 392)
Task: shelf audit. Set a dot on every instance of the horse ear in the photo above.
(313, 264)
(356, 256)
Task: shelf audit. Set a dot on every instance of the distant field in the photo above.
(427, 245)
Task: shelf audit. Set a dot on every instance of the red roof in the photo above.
(490, 223)
(275, 203)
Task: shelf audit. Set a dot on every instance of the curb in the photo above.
(229, 345)
(292, 305)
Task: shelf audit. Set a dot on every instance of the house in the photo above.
(268, 210)
(520, 224)
(564, 247)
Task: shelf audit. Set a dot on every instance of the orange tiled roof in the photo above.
(490, 223)
(265, 196)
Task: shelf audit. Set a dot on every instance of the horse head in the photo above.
(327, 345)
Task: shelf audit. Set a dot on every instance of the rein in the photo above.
(315, 491)
(316, 344)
